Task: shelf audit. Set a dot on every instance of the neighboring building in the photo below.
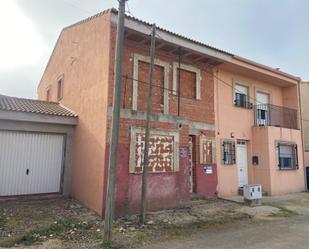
(258, 129)
(80, 74)
(304, 92)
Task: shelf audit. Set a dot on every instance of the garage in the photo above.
(31, 163)
(35, 147)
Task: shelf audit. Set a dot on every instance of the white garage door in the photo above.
(30, 163)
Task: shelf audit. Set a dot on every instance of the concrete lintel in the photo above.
(159, 117)
(37, 118)
(194, 127)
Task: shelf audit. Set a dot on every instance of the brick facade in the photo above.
(87, 66)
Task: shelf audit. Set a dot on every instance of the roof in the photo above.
(239, 58)
(8, 103)
(115, 11)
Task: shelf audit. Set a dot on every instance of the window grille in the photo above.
(228, 152)
(287, 156)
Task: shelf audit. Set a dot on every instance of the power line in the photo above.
(128, 11)
(154, 85)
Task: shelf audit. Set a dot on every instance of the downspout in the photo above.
(302, 134)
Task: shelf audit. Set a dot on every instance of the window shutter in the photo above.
(278, 147)
(296, 156)
(223, 154)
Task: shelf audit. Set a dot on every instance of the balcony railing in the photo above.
(272, 115)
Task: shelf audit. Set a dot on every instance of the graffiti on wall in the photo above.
(161, 153)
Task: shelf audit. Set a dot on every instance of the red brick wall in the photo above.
(165, 190)
(195, 110)
(157, 91)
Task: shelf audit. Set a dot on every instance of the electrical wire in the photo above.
(128, 11)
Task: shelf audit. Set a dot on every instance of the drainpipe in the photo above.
(302, 134)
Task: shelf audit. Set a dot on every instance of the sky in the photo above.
(271, 32)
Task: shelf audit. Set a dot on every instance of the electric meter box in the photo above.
(253, 192)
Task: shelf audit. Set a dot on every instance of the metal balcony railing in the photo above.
(272, 115)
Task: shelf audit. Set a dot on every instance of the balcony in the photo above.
(278, 116)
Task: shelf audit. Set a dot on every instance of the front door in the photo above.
(262, 101)
(242, 163)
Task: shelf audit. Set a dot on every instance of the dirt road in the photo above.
(284, 234)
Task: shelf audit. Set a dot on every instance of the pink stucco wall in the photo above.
(306, 154)
(267, 173)
(238, 124)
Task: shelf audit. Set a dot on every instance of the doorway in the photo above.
(192, 163)
(242, 163)
(262, 103)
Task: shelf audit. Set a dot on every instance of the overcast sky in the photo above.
(272, 32)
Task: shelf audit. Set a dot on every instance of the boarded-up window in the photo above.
(187, 83)
(157, 89)
(207, 150)
(163, 151)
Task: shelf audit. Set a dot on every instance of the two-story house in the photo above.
(258, 128)
(197, 121)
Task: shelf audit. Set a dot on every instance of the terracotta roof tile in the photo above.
(8, 103)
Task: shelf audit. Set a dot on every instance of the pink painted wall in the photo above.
(238, 122)
(306, 158)
(85, 82)
(285, 181)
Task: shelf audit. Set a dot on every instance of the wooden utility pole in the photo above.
(110, 199)
(147, 132)
(179, 65)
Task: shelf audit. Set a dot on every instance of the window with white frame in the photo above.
(287, 156)
(228, 152)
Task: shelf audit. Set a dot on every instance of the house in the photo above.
(192, 116)
(304, 89)
(36, 140)
(258, 129)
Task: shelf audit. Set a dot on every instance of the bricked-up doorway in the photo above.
(192, 163)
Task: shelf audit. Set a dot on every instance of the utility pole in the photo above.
(147, 132)
(179, 65)
(110, 199)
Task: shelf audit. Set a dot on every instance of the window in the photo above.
(48, 94)
(163, 150)
(207, 150)
(59, 89)
(287, 156)
(241, 98)
(185, 69)
(228, 152)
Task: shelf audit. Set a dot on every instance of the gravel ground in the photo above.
(64, 223)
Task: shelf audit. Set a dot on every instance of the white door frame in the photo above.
(262, 108)
(242, 163)
(191, 149)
